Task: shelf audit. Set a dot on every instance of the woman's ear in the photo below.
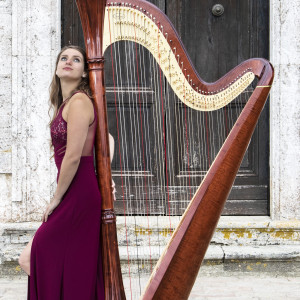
(84, 74)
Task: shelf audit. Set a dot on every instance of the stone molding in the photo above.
(285, 110)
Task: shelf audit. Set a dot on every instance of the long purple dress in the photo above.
(65, 260)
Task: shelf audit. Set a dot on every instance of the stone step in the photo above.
(284, 260)
(236, 258)
(256, 240)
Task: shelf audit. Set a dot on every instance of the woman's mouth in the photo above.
(68, 69)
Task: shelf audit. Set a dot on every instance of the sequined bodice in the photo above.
(58, 131)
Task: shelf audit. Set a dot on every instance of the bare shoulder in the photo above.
(80, 99)
(79, 102)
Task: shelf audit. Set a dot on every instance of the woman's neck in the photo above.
(67, 88)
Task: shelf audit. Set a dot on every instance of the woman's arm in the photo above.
(111, 147)
(78, 119)
(112, 150)
(77, 129)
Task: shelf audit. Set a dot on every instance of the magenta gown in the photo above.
(65, 259)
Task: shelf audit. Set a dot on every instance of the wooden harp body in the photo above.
(106, 23)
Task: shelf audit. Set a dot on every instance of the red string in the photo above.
(124, 206)
(138, 76)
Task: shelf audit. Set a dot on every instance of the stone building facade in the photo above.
(30, 40)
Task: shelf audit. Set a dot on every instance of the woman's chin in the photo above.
(67, 77)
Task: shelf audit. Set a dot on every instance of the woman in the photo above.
(63, 259)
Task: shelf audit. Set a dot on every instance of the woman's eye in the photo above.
(75, 59)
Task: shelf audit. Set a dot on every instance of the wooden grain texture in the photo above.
(237, 36)
(91, 15)
(216, 45)
(176, 271)
(246, 26)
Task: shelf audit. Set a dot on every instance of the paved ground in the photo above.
(242, 287)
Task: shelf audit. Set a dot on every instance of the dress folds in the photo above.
(65, 259)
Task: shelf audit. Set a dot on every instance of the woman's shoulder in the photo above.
(80, 96)
(78, 103)
(79, 100)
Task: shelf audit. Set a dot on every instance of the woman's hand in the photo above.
(114, 189)
(51, 206)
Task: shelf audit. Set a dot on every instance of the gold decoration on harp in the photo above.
(263, 86)
(128, 24)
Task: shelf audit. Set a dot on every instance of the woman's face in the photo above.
(70, 65)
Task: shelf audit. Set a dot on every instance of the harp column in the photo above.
(92, 19)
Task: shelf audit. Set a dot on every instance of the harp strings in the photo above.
(188, 183)
(170, 141)
(163, 112)
(157, 117)
(136, 127)
(142, 129)
(163, 147)
(115, 84)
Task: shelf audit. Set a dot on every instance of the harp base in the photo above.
(113, 282)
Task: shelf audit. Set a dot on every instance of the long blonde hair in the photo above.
(55, 98)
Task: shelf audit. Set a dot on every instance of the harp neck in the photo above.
(92, 17)
(143, 23)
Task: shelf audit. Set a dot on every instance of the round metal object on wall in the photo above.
(218, 10)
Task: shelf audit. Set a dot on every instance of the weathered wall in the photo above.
(5, 110)
(285, 110)
(30, 40)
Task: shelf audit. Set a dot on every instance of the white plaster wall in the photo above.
(30, 41)
(285, 109)
(5, 110)
(5, 92)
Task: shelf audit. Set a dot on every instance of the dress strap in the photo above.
(66, 100)
(95, 115)
(79, 91)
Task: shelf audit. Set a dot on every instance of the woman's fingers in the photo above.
(47, 212)
(114, 193)
(114, 189)
(45, 215)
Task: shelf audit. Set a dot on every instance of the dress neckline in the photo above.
(62, 104)
(66, 101)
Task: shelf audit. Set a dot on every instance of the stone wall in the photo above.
(285, 110)
(30, 41)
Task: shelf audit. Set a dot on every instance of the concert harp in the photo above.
(138, 24)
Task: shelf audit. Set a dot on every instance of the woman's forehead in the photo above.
(71, 52)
